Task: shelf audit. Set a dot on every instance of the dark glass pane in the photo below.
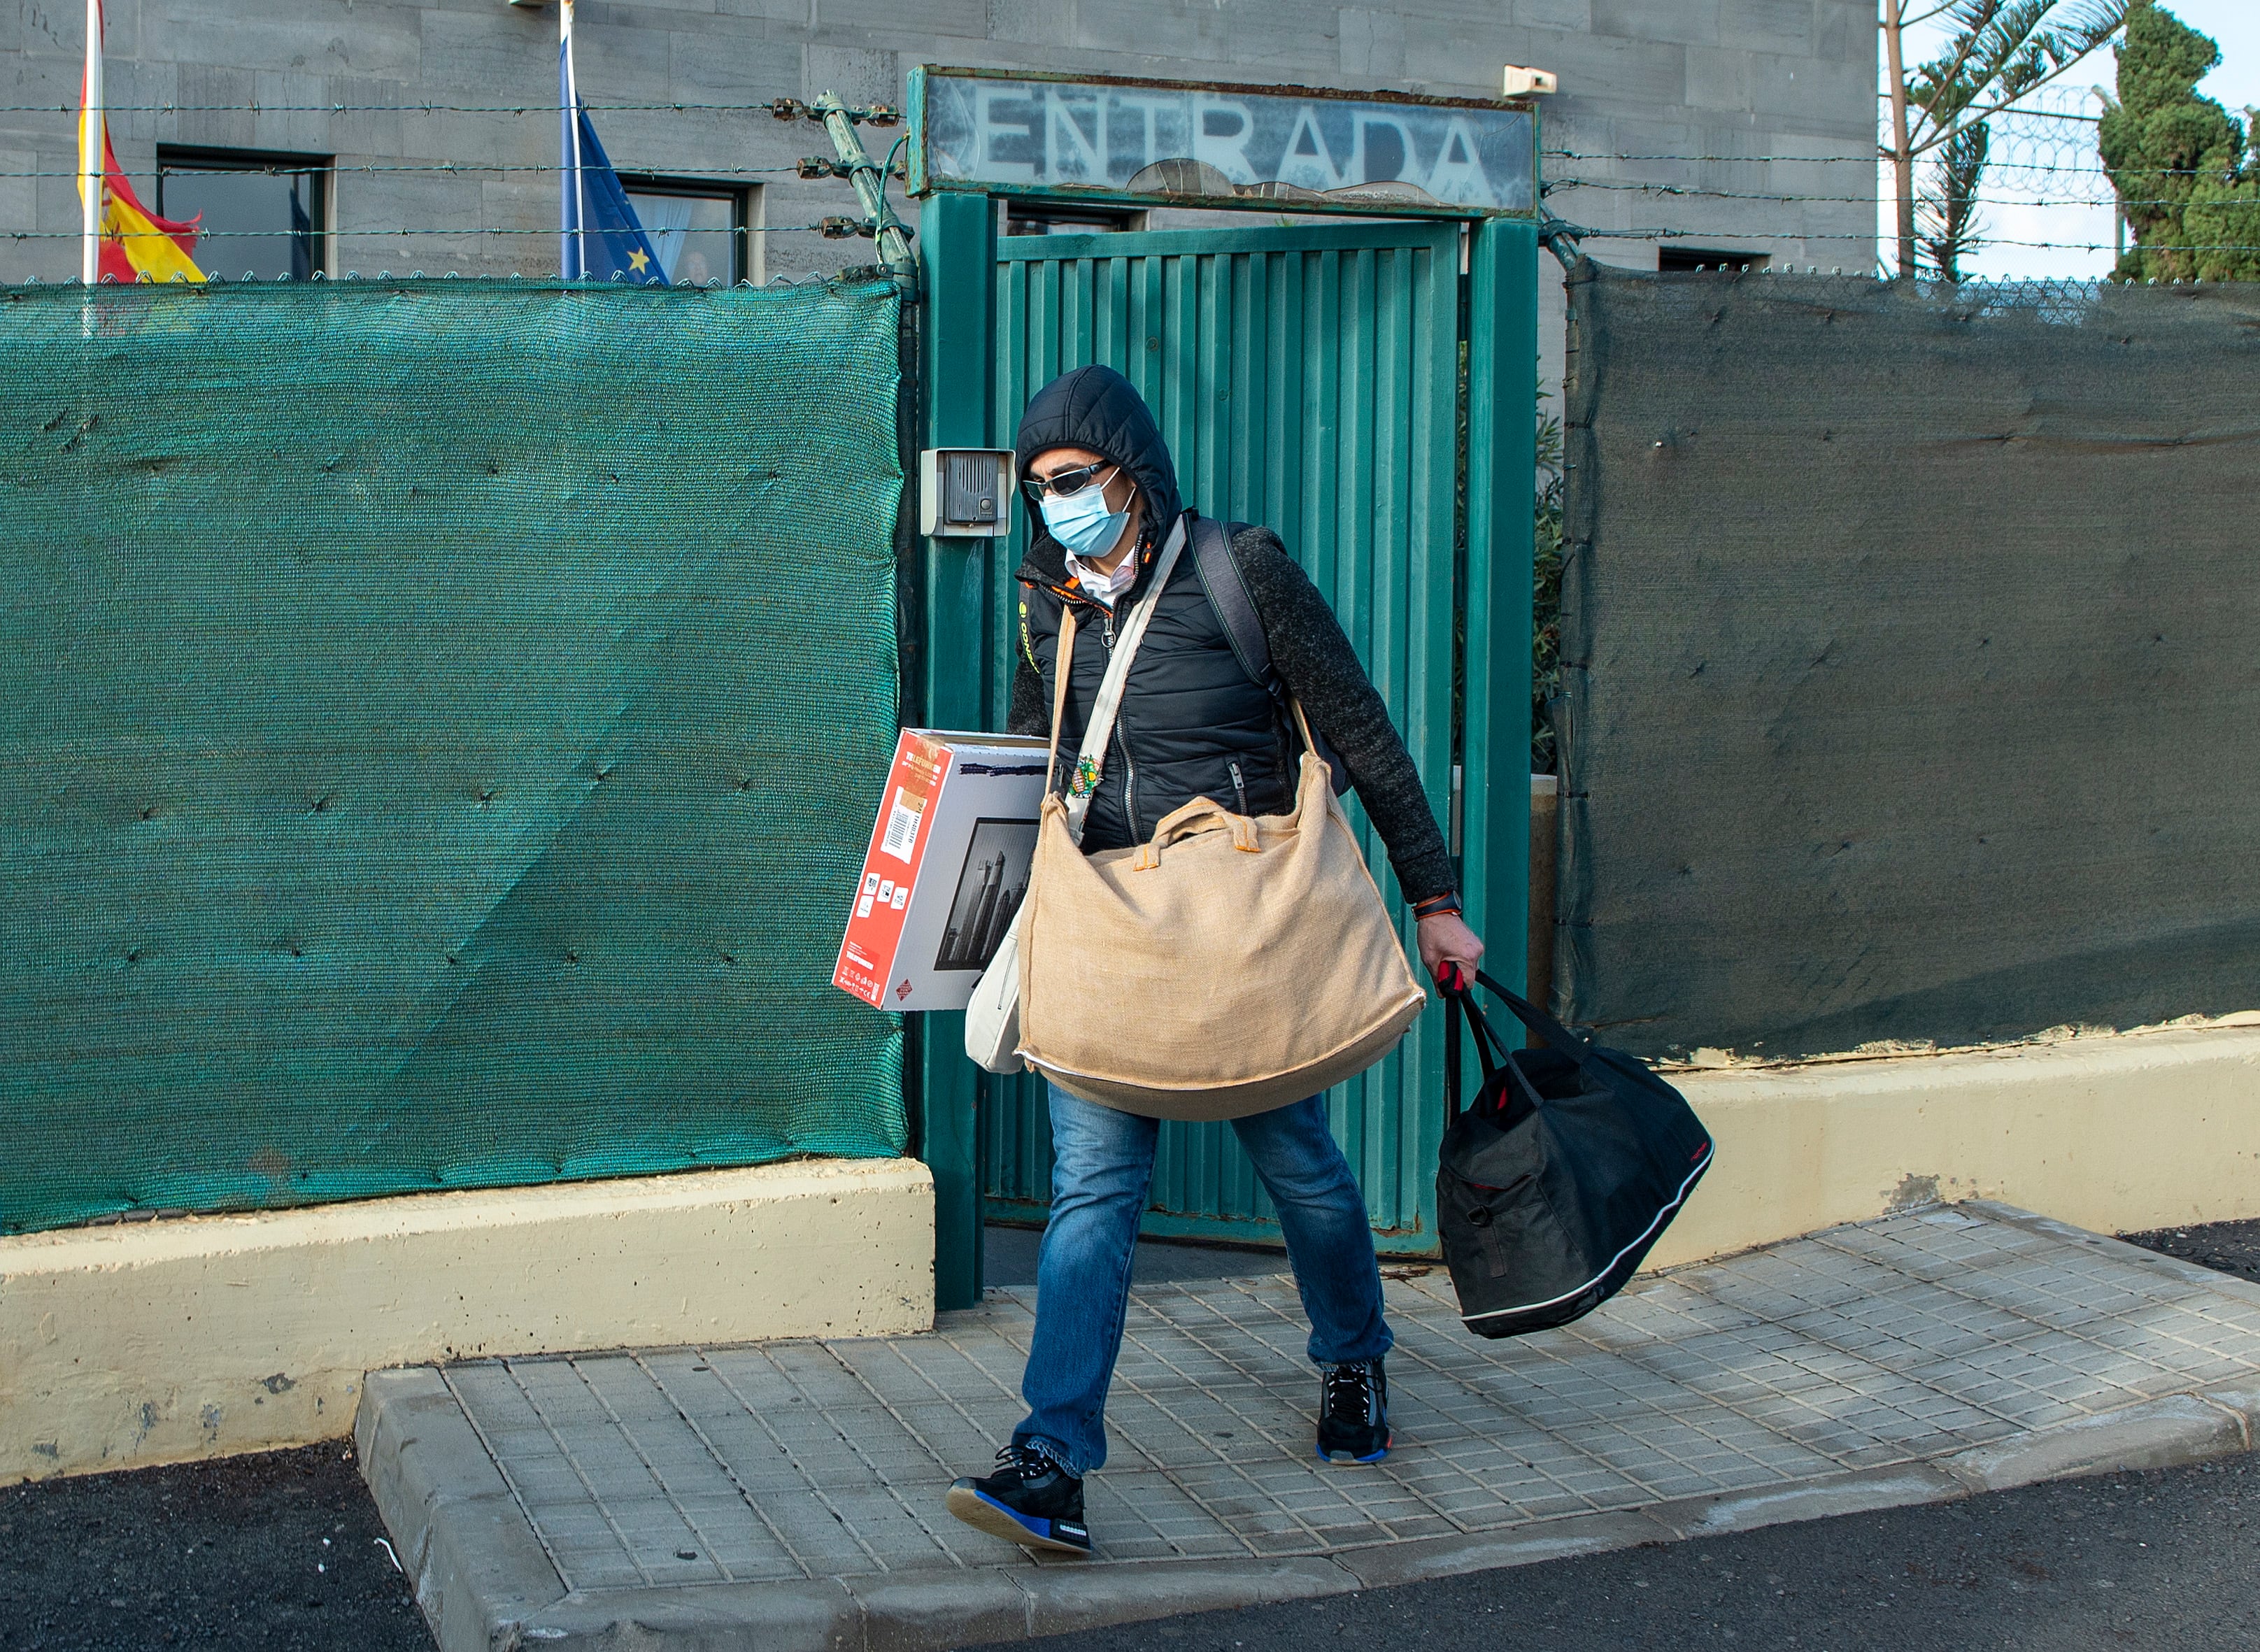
(253, 222)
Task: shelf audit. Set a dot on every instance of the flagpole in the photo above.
(89, 150)
(573, 254)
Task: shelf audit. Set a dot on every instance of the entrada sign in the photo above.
(1180, 143)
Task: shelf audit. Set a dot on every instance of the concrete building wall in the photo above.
(389, 87)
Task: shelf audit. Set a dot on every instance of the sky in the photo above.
(2082, 231)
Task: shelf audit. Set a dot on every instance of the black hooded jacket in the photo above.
(1192, 722)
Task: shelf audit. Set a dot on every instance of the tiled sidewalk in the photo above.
(800, 1483)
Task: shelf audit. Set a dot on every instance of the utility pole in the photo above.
(1902, 156)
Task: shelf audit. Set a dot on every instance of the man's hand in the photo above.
(1446, 940)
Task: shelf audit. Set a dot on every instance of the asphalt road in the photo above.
(2165, 1561)
(280, 1553)
(274, 1553)
(2223, 1247)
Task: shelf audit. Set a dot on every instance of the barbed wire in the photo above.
(830, 229)
(1867, 158)
(217, 278)
(1707, 235)
(696, 175)
(766, 107)
(1691, 190)
(2042, 157)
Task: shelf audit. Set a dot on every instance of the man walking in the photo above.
(1193, 722)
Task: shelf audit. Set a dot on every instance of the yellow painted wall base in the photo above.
(2114, 1132)
(158, 1341)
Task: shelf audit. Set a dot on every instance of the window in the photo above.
(701, 232)
(1692, 258)
(1046, 218)
(267, 214)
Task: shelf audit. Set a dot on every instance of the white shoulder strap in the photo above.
(1091, 762)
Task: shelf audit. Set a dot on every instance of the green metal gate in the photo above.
(1305, 378)
(1366, 389)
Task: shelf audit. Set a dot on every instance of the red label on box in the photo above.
(898, 841)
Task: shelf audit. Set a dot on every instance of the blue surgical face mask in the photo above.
(1082, 523)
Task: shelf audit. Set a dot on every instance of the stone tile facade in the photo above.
(387, 86)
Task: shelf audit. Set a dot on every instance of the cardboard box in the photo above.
(947, 870)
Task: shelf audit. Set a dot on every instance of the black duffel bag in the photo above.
(1553, 1185)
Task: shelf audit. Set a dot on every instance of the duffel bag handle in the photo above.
(1538, 1021)
(1458, 998)
(1488, 1049)
(1199, 815)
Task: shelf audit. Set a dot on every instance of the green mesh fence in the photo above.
(442, 721)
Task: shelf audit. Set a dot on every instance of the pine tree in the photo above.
(2188, 184)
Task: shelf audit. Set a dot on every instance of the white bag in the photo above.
(992, 1020)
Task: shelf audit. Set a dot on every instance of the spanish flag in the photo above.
(126, 240)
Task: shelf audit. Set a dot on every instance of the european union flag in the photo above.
(602, 238)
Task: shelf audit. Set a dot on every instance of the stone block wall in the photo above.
(386, 84)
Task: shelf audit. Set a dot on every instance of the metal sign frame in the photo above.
(924, 182)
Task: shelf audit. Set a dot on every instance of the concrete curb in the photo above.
(467, 1548)
(1861, 1492)
(2157, 1262)
(2157, 1434)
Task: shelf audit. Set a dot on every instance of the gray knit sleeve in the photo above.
(1315, 661)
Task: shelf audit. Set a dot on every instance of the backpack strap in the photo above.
(1244, 628)
(1227, 593)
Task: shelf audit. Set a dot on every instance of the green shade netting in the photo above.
(442, 721)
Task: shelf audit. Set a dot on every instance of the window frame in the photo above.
(208, 158)
(1079, 219)
(746, 253)
(1712, 260)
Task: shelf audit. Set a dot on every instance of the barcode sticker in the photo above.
(902, 825)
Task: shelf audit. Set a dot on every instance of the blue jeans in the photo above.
(1102, 1162)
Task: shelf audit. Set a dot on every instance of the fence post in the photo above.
(1502, 466)
(957, 244)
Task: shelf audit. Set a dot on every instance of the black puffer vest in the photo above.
(1193, 723)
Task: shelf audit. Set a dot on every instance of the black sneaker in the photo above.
(1030, 1500)
(1353, 1413)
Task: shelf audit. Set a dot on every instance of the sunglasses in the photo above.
(1064, 483)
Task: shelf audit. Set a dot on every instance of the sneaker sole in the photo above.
(1339, 1457)
(995, 1519)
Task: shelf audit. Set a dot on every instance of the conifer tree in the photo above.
(2188, 182)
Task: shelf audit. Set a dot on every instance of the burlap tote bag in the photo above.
(1231, 965)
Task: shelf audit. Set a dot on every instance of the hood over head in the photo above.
(1096, 407)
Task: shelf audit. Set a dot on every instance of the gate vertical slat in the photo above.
(1206, 481)
(1350, 458)
(1244, 501)
(1113, 331)
(960, 346)
(1146, 311)
(1387, 548)
(1283, 363)
(1502, 352)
